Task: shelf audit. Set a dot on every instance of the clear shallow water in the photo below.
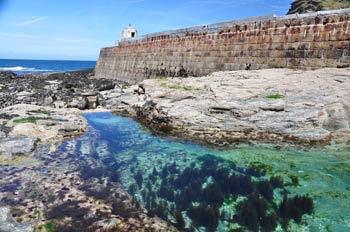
(218, 190)
(41, 66)
(194, 188)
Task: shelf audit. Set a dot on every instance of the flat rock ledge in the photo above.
(25, 128)
(273, 105)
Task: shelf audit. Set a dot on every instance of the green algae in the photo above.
(321, 173)
(35, 214)
(275, 96)
(44, 112)
(163, 84)
(26, 120)
(318, 173)
(315, 172)
(179, 87)
(47, 227)
(262, 167)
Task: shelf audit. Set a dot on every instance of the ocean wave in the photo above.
(23, 69)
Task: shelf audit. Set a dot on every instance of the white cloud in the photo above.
(31, 21)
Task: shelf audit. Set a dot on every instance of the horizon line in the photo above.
(40, 59)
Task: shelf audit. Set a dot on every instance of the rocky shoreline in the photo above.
(270, 106)
(25, 128)
(282, 106)
(42, 110)
(75, 89)
(38, 112)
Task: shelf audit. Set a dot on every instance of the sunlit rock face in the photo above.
(303, 6)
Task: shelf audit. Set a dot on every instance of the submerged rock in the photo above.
(13, 146)
(2, 134)
(7, 223)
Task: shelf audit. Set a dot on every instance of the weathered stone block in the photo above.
(315, 40)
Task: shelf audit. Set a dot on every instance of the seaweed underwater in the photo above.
(117, 172)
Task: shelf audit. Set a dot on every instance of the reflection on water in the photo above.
(192, 187)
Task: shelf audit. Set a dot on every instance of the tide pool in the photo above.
(171, 178)
(119, 172)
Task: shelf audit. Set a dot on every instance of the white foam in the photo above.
(23, 69)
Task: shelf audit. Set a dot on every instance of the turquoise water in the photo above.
(195, 188)
(83, 184)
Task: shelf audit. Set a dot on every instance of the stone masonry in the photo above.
(313, 40)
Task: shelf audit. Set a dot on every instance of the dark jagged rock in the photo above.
(59, 90)
(303, 6)
(7, 74)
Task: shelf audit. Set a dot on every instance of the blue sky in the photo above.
(77, 29)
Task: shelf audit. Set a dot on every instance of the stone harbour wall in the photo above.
(313, 40)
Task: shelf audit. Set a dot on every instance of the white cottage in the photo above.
(129, 32)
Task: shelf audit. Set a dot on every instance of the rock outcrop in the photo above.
(7, 74)
(39, 188)
(304, 6)
(25, 127)
(274, 105)
(58, 90)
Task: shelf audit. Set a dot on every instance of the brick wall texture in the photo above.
(312, 40)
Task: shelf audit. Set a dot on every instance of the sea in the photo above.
(21, 66)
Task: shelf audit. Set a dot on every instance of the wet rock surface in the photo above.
(12, 146)
(94, 184)
(7, 223)
(25, 128)
(7, 74)
(45, 189)
(276, 105)
(75, 188)
(58, 90)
